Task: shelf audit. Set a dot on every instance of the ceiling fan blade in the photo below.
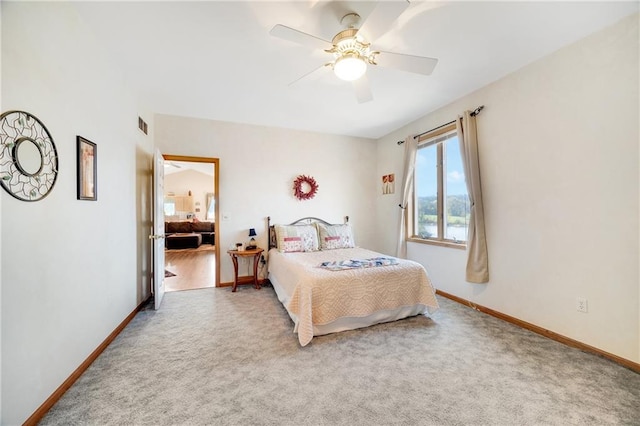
(381, 18)
(299, 37)
(410, 63)
(362, 89)
(310, 74)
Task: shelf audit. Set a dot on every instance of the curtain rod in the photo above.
(473, 114)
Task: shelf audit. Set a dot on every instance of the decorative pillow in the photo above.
(335, 236)
(292, 244)
(331, 243)
(292, 238)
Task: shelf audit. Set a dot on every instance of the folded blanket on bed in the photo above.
(359, 263)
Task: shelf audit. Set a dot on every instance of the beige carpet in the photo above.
(212, 357)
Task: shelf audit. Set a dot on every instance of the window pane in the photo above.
(426, 186)
(169, 208)
(211, 212)
(457, 199)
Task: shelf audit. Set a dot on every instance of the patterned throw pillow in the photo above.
(292, 244)
(295, 238)
(330, 243)
(335, 236)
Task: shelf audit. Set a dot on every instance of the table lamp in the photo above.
(252, 242)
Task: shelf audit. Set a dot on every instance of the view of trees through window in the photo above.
(446, 182)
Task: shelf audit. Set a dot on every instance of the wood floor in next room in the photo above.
(193, 268)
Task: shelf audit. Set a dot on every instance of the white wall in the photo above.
(71, 270)
(257, 168)
(180, 183)
(559, 164)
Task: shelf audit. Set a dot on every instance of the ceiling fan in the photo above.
(351, 47)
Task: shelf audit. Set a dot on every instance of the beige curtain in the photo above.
(209, 201)
(477, 256)
(410, 149)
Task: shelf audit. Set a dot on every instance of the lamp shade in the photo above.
(349, 67)
(252, 232)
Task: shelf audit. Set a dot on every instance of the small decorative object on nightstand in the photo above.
(252, 242)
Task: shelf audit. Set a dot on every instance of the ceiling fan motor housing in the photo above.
(344, 35)
(347, 44)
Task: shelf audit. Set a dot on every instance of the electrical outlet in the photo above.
(581, 305)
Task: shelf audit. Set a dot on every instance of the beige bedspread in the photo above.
(319, 296)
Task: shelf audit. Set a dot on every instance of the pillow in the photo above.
(335, 236)
(293, 238)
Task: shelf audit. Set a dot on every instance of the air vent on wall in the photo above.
(142, 125)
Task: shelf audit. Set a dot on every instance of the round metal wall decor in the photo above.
(28, 156)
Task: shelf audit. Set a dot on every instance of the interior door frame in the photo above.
(216, 179)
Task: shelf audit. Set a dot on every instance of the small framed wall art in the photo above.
(87, 169)
(388, 184)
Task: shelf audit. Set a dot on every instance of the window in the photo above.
(439, 211)
(169, 207)
(211, 206)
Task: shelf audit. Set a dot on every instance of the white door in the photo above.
(158, 228)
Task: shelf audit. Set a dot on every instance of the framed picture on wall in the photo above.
(388, 184)
(87, 169)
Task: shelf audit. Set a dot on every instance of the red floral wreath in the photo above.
(298, 187)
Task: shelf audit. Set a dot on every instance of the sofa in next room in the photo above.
(205, 229)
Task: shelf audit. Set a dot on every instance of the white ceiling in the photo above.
(216, 60)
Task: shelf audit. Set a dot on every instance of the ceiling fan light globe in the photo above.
(349, 67)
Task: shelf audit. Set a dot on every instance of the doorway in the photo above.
(192, 235)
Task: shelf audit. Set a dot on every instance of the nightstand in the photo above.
(255, 254)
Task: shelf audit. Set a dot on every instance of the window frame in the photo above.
(441, 184)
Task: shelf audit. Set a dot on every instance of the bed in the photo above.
(327, 284)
